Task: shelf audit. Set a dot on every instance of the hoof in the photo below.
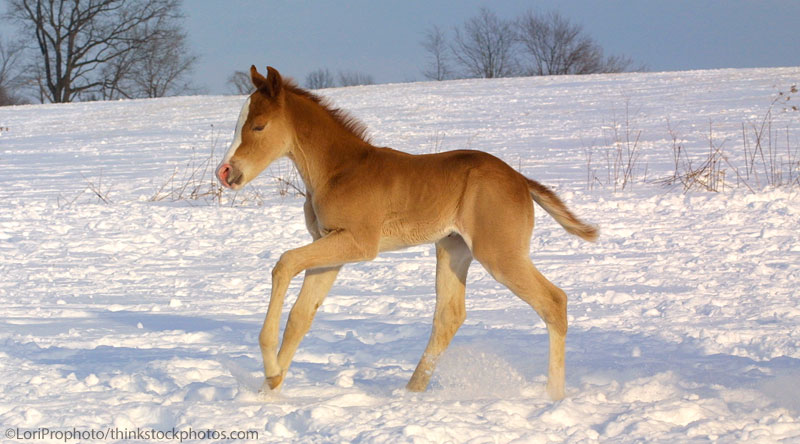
(556, 393)
(413, 386)
(275, 381)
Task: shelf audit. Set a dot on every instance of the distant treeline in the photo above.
(108, 49)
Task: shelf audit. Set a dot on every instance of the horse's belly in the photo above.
(396, 238)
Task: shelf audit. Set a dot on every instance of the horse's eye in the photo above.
(258, 128)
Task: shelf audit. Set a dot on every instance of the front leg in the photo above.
(316, 284)
(336, 248)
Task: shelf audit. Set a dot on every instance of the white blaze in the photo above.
(237, 136)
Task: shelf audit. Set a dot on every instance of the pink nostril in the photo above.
(223, 172)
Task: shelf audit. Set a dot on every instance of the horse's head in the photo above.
(262, 135)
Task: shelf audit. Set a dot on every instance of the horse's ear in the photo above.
(271, 85)
(258, 80)
(274, 82)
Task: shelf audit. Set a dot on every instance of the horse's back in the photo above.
(435, 194)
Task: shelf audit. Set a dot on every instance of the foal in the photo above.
(362, 200)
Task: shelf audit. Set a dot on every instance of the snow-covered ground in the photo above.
(126, 314)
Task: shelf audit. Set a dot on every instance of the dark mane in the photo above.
(348, 122)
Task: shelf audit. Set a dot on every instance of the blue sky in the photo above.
(382, 37)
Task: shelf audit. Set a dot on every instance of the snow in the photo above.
(684, 317)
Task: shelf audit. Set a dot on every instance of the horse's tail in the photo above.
(553, 205)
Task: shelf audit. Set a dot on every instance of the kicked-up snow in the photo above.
(124, 313)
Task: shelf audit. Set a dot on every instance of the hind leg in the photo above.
(498, 218)
(452, 262)
(503, 251)
(520, 275)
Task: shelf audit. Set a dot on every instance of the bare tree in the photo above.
(353, 78)
(114, 75)
(485, 46)
(555, 46)
(239, 82)
(10, 74)
(158, 67)
(439, 60)
(78, 39)
(5, 97)
(320, 78)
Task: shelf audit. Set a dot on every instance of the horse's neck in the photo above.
(323, 147)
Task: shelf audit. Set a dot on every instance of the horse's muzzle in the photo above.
(229, 176)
